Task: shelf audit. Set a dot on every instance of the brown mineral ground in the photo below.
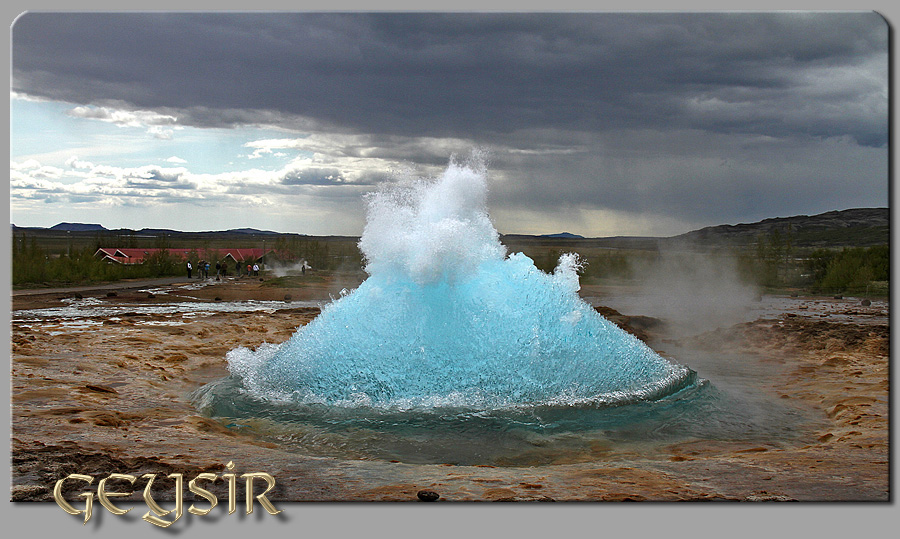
(109, 393)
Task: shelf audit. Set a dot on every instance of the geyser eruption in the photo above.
(447, 319)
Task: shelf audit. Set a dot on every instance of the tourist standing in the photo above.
(189, 268)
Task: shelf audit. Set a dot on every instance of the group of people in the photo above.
(251, 271)
(203, 268)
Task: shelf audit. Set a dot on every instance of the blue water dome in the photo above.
(447, 319)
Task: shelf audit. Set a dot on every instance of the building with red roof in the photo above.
(129, 257)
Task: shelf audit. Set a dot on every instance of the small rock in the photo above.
(287, 297)
(111, 294)
(151, 295)
(427, 495)
(76, 295)
(838, 297)
(866, 303)
(218, 298)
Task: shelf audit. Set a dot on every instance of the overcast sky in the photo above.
(595, 124)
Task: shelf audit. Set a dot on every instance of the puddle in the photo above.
(93, 307)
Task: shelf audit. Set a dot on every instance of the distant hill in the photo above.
(853, 227)
(249, 231)
(156, 231)
(566, 235)
(77, 227)
(843, 228)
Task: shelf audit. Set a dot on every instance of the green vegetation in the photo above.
(34, 266)
(775, 261)
(853, 270)
(597, 265)
(323, 255)
(43, 258)
(771, 263)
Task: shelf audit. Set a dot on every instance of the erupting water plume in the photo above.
(447, 319)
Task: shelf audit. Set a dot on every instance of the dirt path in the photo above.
(114, 285)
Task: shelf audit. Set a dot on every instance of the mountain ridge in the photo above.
(854, 226)
(836, 228)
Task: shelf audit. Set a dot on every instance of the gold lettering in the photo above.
(88, 497)
(192, 486)
(104, 496)
(156, 512)
(232, 487)
(155, 507)
(267, 505)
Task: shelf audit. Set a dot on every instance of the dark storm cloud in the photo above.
(684, 119)
(473, 76)
(701, 177)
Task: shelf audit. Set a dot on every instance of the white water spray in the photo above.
(447, 319)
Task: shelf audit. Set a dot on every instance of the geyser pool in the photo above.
(447, 332)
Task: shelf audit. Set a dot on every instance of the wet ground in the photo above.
(101, 383)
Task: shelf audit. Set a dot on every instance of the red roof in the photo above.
(136, 256)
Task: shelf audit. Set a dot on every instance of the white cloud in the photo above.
(76, 163)
(124, 118)
(149, 185)
(34, 170)
(23, 96)
(160, 132)
(24, 165)
(158, 125)
(637, 182)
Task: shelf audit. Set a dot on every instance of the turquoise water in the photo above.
(520, 436)
(446, 318)
(506, 336)
(453, 351)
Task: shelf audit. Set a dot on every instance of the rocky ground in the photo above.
(109, 394)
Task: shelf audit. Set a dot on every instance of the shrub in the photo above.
(849, 270)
